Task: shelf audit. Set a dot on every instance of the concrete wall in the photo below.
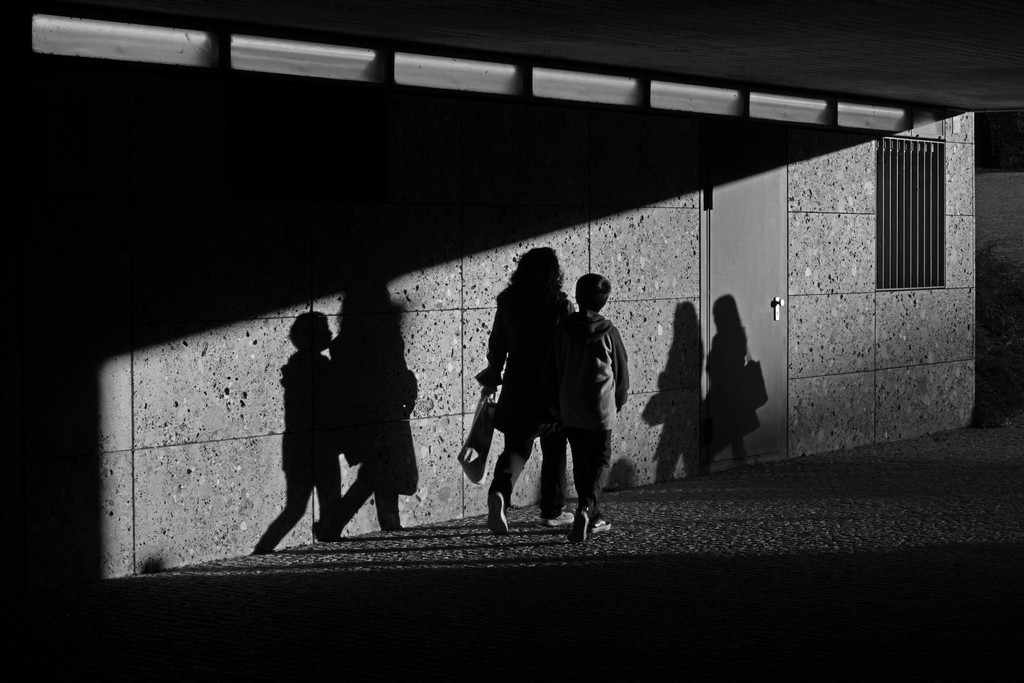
(175, 228)
(867, 366)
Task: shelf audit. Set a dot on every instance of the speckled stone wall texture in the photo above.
(657, 438)
(960, 251)
(831, 334)
(649, 253)
(374, 258)
(831, 173)
(924, 326)
(200, 349)
(959, 179)
(831, 253)
(868, 366)
(203, 500)
(208, 384)
(921, 399)
(495, 236)
(831, 412)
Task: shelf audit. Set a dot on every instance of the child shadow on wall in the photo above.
(365, 383)
(306, 466)
(682, 371)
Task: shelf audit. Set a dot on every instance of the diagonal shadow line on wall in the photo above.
(182, 259)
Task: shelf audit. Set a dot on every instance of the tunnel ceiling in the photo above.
(961, 54)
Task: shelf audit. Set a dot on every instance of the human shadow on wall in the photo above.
(307, 464)
(374, 390)
(682, 371)
(104, 133)
(365, 380)
(730, 404)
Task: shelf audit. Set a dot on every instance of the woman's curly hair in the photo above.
(537, 280)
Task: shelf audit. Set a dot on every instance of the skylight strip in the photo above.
(449, 73)
(68, 36)
(298, 58)
(790, 109)
(696, 98)
(873, 117)
(586, 87)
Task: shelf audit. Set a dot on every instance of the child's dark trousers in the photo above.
(591, 459)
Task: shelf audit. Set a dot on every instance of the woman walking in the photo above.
(528, 311)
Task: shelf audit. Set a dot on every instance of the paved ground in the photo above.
(903, 561)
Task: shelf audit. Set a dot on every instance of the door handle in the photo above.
(777, 304)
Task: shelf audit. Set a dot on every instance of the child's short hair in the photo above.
(592, 292)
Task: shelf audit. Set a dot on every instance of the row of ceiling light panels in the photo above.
(70, 36)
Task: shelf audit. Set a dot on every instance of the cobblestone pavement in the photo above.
(903, 561)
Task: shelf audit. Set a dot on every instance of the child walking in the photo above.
(589, 378)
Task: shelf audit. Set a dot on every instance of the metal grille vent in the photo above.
(911, 240)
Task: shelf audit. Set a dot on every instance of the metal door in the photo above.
(744, 221)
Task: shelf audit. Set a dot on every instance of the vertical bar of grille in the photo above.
(927, 217)
(881, 229)
(918, 247)
(904, 213)
(887, 215)
(901, 214)
(940, 203)
(932, 222)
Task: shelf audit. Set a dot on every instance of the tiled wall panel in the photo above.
(831, 412)
(160, 298)
(853, 352)
(830, 334)
(657, 360)
(960, 128)
(657, 438)
(959, 179)
(379, 257)
(494, 237)
(542, 153)
(425, 150)
(924, 326)
(391, 366)
(648, 253)
(831, 172)
(205, 384)
(396, 474)
(960, 251)
(642, 161)
(220, 262)
(923, 399)
(197, 502)
(831, 253)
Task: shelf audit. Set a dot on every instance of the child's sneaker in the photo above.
(598, 525)
(562, 519)
(496, 519)
(578, 534)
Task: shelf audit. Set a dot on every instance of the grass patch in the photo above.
(999, 341)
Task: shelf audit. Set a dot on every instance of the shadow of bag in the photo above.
(473, 456)
(753, 383)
